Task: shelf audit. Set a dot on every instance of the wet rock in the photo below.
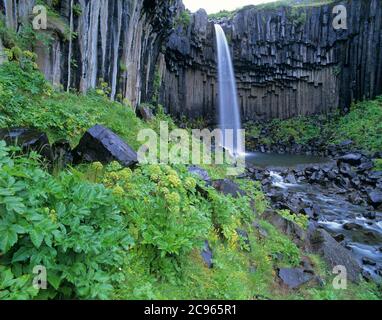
(228, 187)
(294, 278)
(375, 198)
(289, 228)
(199, 172)
(346, 143)
(146, 113)
(370, 215)
(334, 254)
(339, 237)
(353, 159)
(367, 276)
(207, 255)
(244, 236)
(368, 262)
(290, 179)
(263, 233)
(352, 226)
(366, 166)
(28, 139)
(103, 145)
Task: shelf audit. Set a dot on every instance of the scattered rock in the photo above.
(207, 255)
(339, 237)
(375, 198)
(370, 215)
(199, 172)
(28, 140)
(244, 236)
(101, 144)
(263, 233)
(368, 262)
(334, 254)
(352, 226)
(146, 113)
(291, 229)
(228, 187)
(353, 159)
(294, 278)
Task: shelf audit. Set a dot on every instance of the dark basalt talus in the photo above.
(103, 145)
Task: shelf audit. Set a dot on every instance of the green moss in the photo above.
(362, 124)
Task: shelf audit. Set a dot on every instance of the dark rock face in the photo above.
(228, 187)
(375, 198)
(289, 228)
(334, 254)
(28, 140)
(283, 67)
(294, 278)
(118, 41)
(101, 144)
(207, 255)
(200, 173)
(145, 113)
(353, 159)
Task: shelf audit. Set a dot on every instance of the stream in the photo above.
(357, 227)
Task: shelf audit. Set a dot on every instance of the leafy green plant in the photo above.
(72, 228)
(300, 219)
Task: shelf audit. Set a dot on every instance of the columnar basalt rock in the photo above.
(288, 61)
(116, 41)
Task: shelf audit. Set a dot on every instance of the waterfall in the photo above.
(229, 113)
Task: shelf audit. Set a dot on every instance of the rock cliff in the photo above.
(288, 61)
(117, 41)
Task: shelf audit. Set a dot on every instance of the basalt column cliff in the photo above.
(289, 60)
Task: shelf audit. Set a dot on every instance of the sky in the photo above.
(213, 6)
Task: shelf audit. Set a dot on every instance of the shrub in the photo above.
(72, 228)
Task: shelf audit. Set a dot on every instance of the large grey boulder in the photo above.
(228, 187)
(294, 278)
(103, 145)
(334, 254)
(287, 227)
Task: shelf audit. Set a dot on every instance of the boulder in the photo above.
(334, 254)
(375, 198)
(28, 139)
(145, 113)
(289, 228)
(207, 255)
(244, 236)
(228, 187)
(354, 159)
(103, 145)
(294, 278)
(200, 173)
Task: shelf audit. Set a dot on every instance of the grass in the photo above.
(362, 124)
(157, 210)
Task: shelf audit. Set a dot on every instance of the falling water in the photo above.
(229, 113)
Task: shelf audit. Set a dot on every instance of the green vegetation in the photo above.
(378, 165)
(222, 14)
(300, 219)
(362, 125)
(183, 20)
(107, 232)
